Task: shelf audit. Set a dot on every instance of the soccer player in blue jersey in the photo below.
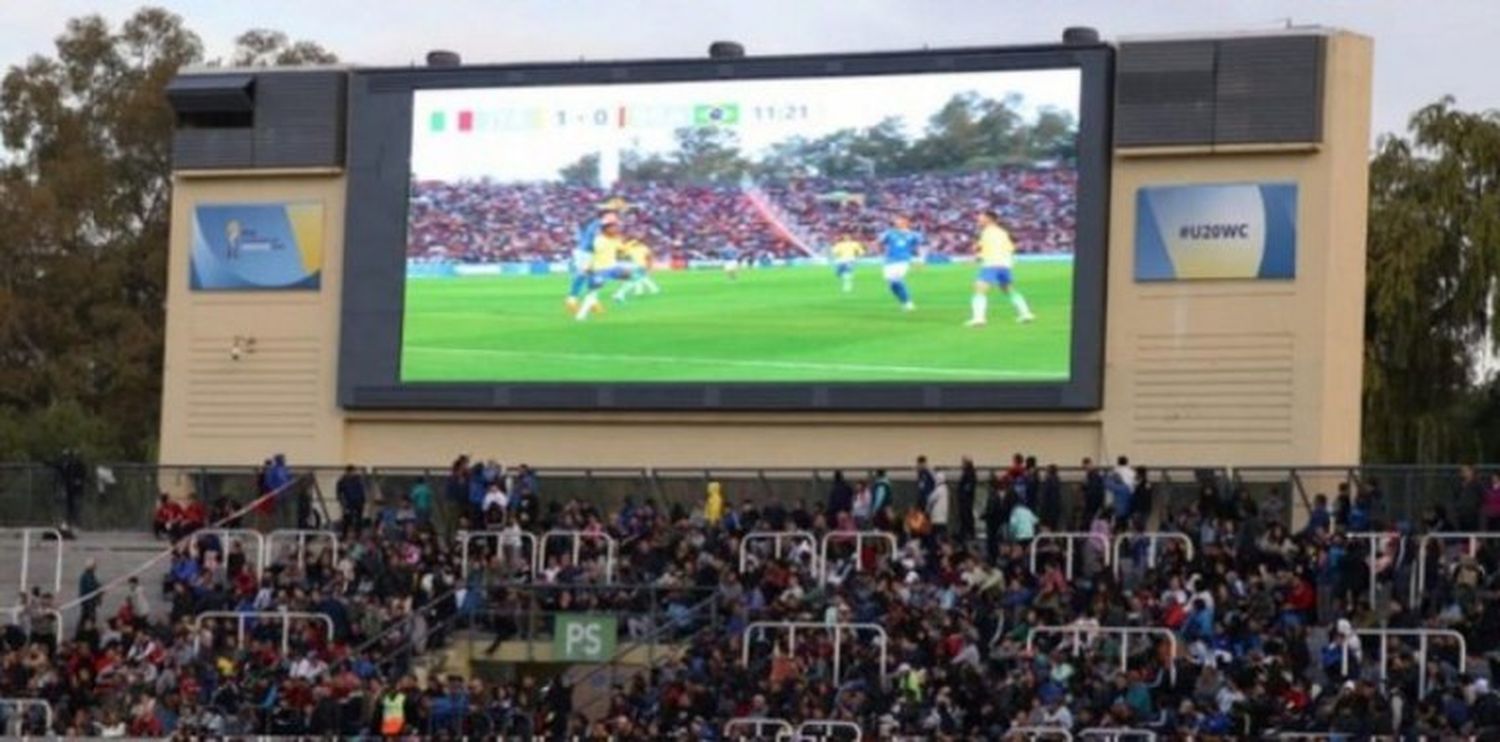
(902, 245)
(583, 251)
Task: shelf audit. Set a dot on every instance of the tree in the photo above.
(584, 172)
(262, 47)
(84, 207)
(1432, 276)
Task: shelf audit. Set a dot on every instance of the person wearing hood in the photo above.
(937, 505)
(713, 504)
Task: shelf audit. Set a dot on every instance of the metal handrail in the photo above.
(777, 538)
(1069, 537)
(1422, 635)
(1152, 538)
(386, 630)
(858, 537)
(22, 704)
(1419, 584)
(783, 727)
(303, 535)
(15, 612)
(807, 728)
(286, 618)
(837, 627)
(657, 632)
(26, 534)
(1123, 632)
(577, 537)
(1033, 732)
(502, 539)
(1115, 733)
(225, 535)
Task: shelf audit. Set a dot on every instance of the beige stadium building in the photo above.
(1236, 370)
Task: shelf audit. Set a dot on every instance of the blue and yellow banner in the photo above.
(1216, 231)
(254, 247)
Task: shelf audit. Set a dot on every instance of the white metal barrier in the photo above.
(226, 535)
(503, 540)
(1375, 539)
(783, 728)
(1068, 538)
(858, 537)
(302, 535)
(1123, 632)
(578, 539)
(823, 728)
(1152, 538)
(285, 617)
(1039, 733)
(1419, 585)
(15, 612)
(28, 535)
(1422, 635)
(778, 540)
(20, 705)
(1113, 734)
(838, 630)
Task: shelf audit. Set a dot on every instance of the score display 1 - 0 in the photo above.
(728, 114)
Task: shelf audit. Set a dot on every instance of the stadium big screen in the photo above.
(874, 231)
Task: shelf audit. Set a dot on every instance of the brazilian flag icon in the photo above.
(716, 114)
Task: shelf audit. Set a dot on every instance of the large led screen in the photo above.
(912, 228)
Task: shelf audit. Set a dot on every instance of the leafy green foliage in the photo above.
(1431, 302)
(85, 187)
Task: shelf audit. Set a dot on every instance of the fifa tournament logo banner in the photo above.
(257, 247)
(1216, 231)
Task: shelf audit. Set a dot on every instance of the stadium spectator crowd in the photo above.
(481, 221)
(1265, 617)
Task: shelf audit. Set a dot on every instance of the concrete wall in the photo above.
(1231, 372)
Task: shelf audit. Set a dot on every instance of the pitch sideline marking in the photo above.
(792, 365)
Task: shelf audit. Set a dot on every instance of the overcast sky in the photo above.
(1423, 49)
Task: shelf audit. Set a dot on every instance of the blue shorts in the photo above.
(843, 269)
(996, 275)
(618, 273)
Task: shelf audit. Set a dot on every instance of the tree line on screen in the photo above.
(84, 191)
(969, 133)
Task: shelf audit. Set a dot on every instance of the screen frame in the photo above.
(378, 179)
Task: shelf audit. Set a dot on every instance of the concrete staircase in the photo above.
(115, 554)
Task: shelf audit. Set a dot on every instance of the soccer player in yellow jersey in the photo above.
(605, 265)
(639, 256)
(844, 253)
(997, 254)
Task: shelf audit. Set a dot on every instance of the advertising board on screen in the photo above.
(1216, 231)
(877, 228)
(257, 246)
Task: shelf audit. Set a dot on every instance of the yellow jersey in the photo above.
(846, 250)
(638, 252)
(995, 248)
(607, 251)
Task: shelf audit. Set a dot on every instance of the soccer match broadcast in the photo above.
(892, 228)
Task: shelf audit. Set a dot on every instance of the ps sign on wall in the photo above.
(1232, 230)
(264, 246)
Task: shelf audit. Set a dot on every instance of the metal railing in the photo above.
(1422, 636)
(1419, 581)
(782, 726)
(15, 725)
(302, 536)
(778, 541)
(30, 536)
(242, 617)
(1069, 539)
(576, 538)
(123, 495)
(859, 538)
(228, 536)
(1152, 538)
(1115, 734)
(503, 540)
(829, 728)
(837, 628)
(1123, 633)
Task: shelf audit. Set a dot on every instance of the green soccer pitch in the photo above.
(784, 324)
